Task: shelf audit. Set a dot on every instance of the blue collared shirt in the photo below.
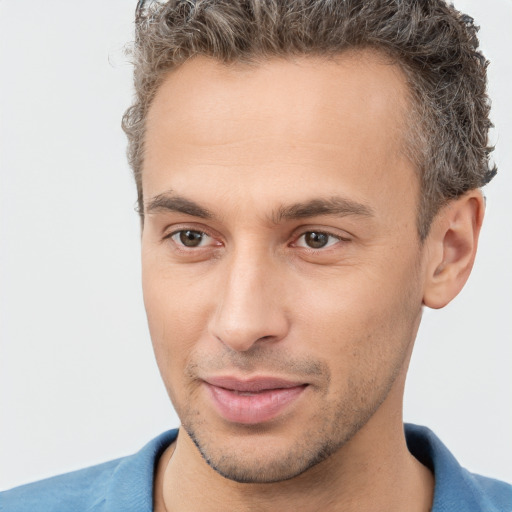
(126, 484)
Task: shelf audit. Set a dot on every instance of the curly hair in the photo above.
(435, 45)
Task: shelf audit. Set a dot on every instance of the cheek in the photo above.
(176, 312)
(362, 322)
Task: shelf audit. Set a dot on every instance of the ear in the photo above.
(451, 251)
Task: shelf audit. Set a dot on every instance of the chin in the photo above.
(263, 456)
(261, 464)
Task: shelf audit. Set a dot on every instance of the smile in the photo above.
(252, 401)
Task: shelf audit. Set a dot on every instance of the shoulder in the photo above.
(120, 485)
(496, 494)
(78, 490)
(456, 489)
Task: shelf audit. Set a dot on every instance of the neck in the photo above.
(374, 472)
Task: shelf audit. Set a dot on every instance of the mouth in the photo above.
(254, 400)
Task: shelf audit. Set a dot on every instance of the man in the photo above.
(308, 177)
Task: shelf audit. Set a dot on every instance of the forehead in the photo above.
(211, 100)
(278, 120)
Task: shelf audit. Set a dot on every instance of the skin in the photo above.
(242, 145)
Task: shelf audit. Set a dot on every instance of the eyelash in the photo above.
(182, 247)
(325, 248)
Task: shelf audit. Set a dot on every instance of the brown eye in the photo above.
(190, 238)
(316, 240)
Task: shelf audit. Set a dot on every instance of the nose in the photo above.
(250, 308)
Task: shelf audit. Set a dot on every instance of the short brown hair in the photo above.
(435, 45)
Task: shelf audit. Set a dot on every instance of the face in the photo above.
(281, 263)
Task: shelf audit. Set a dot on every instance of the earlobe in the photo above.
(451, 250)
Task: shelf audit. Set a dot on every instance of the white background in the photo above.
(78, 381)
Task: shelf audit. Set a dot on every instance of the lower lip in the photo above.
(253, 408)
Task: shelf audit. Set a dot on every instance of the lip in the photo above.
(252, 401)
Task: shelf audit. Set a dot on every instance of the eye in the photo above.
(316, 240)
(190, 238)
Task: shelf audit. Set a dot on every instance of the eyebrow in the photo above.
(336, 205)
(170, 202)
(339, 206)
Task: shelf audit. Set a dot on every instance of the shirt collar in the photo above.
(131, 486)
(456, 489)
